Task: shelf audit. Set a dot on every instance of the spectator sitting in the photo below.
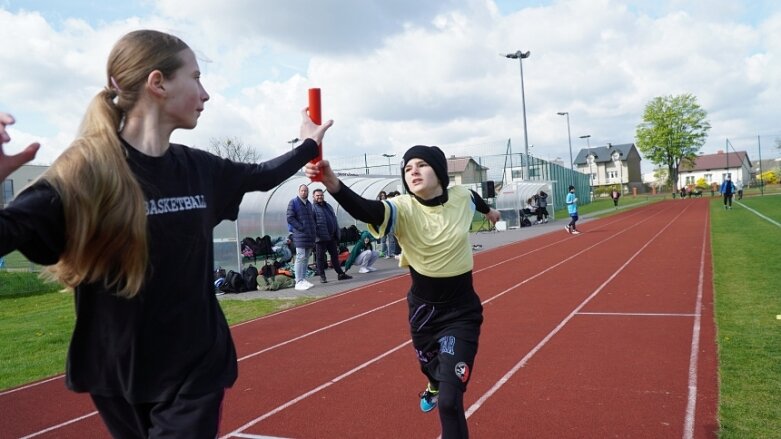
(363, 254)
(530, 207)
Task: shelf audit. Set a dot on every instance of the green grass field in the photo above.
(747, 285)
(36, 326)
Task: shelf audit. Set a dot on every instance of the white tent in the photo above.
(512, 198)
(265, 213)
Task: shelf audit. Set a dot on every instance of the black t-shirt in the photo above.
(172, 338)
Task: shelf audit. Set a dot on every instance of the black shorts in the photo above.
(445, 337)
(187, 416)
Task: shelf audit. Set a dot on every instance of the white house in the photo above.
(714, 168)
(611, 165)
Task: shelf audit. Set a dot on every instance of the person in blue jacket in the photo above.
(301, 223)
(572, 209)
(727, 190)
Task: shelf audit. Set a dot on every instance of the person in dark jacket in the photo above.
(727, 190)
(327, 237)
(112, 218)
(301, 222)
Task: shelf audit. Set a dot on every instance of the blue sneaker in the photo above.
(428, 399)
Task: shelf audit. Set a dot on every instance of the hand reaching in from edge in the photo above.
(10, 163)
(327, 175)
(311, 131)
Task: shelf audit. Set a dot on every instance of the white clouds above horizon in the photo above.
(395, 74)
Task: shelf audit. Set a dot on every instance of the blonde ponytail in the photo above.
(105, 217)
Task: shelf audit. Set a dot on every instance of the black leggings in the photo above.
(452, 415)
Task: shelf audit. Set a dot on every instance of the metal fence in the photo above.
(764, 153)
(501, 163)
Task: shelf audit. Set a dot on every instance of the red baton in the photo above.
(316, 116)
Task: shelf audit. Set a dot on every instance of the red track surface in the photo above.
(590, 336)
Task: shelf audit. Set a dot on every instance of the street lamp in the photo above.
(389, 162)
(293, 142)
(569, 137)
(590, 160)
(520, 56)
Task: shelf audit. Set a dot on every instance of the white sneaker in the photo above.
(363, 270)
(302, 286)
(307, 283)
(397, 257)
(371, 268)
(567, 229)
(575, 232)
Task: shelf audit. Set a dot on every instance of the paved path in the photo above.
(390, 267)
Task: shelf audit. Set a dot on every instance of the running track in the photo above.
(606, 334)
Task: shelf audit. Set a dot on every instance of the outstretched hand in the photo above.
(10, 163)
(311, 131)
(325, 173)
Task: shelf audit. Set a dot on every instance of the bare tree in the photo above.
(233, 148)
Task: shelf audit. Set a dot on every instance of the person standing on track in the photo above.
(572, 209)
(432, 223)
(125, 218)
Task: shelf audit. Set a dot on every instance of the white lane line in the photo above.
(688, 429)
(258, 436)
(636, 314)
(55, 427)
(316, 389)
(321, 329)
(37, 383)
(504, 379)
(764, 217)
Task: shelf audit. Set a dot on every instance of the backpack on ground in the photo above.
(250, 276)
(234, 283)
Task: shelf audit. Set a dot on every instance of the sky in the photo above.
(399, 73)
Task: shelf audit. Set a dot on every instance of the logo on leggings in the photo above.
(462, 371)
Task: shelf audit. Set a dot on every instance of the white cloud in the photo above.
(394, 74)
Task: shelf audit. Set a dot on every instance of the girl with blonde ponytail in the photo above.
(125, 218)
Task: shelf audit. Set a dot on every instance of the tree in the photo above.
(233, 149)
(673, 130)
(660, 178)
